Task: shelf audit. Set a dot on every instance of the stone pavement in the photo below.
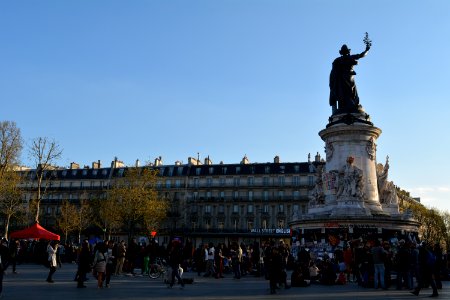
(30, 283)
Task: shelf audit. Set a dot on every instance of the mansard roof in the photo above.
(185, 170)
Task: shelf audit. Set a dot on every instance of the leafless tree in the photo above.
(45, 153)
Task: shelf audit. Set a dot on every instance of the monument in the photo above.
(352, 192)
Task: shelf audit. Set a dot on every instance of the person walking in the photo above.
(100, 263)
(84, 263)
(175, 259)
(426, 263)
(51, 251)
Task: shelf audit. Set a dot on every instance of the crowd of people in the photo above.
(370, 264)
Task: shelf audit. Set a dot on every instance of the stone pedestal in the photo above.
(344, 139)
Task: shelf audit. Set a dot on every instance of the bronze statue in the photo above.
(343, 93)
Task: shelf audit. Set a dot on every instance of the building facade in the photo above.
(208, 202)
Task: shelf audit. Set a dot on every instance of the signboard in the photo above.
(271, 230)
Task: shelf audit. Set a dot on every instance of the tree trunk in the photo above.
(8, 217)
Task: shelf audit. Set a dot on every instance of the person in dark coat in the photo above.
(425, 270)
(175, 259)
(275, 269)
(84, 263)
(4, 261)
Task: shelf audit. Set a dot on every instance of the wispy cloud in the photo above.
(433, 196)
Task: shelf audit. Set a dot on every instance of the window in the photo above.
(81, 184)
(267, 170)
(264, 224)
(208, 195)
(94, 172)
(266, 195)
(221, 209)
(238, 170)
(296, 181)
(280, 223)
(161, 171)
(281, 181)
(198, 171)
(209, 182)
(222, 195)
(222, 182)
(168, 183)
(249, 225)
(224, 170)
(281, 208)
(310, 180)
(297, 169)
(220, 224)
(208, 209)
(194, 209)
(237, 181)
(74, 172)
(195, 182)
(266, 208)
(158, 184)
(180, 171)
(265, 181)
(236, 195)
(178, 183)
(236, 208)
(250, 195)
(211, 170)
(84, 173)
(195, 195)
(296, 195)
(170, 171)
(280, 195)
(250, 208)
(250, 181)
(295, 208)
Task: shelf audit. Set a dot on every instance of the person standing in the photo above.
(84, 263)
(109, 263)
(14, 253)
(121, 251)
(210, 271)
(378, 257)
(51, 251)
(4, 260)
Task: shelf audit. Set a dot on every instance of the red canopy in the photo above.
(35, 231)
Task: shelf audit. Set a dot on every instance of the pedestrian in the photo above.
(4, 260)
(378, 258)
(210, 271)
(426, 264)
(121, 251)
(175, 259)
(84, 264)
(100, 263)
(110, 260)
(14, 253)
(51, 251)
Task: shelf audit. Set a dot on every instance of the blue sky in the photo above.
(141, 79)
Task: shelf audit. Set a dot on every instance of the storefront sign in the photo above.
(271, 230)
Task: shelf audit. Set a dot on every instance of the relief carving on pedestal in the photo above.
(329, 149)
(317, 196)
(371, 148)
(350, 181)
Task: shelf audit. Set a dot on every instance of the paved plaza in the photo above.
(30, 283)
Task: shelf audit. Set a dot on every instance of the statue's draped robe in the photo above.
(343, 92)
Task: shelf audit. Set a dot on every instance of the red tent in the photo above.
(35, 231)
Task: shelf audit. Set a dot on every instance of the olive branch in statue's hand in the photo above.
(367, 41)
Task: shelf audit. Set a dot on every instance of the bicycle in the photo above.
(157, 268)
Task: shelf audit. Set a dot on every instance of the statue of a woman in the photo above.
(343, 93)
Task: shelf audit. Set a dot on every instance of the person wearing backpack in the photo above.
(426, 262)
